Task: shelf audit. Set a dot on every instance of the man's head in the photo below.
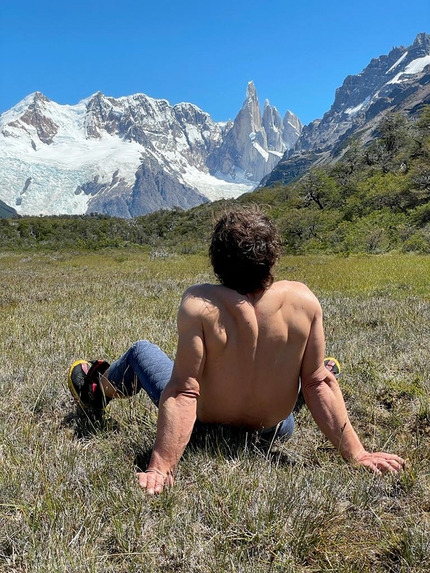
(245, 245)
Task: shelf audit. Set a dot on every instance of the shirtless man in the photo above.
(243, 347)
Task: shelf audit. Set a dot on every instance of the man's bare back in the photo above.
(254, 346)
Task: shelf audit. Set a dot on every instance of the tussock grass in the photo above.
(68, 495)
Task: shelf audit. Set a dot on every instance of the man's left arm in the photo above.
(325, 402)
(178, 403)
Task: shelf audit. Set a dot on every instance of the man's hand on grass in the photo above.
(380, 462)
(153, 481)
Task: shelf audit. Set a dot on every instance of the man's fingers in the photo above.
(151, 482)
(391, 462)
(396, 465)
(385, 465)
(380, 462)
(374, 468)
(388, 463)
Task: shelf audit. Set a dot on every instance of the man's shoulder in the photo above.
(196, 297)
(292, 286)
(200, 290)
(294, 290)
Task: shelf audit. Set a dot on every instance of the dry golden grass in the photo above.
(68, 495)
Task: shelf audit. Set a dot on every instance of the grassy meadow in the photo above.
(68, 495)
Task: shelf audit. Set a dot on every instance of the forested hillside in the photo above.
(374, 199)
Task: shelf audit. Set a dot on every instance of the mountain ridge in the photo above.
(128, 156)
(397, 82)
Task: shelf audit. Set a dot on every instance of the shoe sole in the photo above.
(72, 386)
(336, 368)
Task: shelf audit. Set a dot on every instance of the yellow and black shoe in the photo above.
(83, 381)
(332, 366)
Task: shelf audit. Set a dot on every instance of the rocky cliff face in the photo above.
(131, 155)
(398, 82)
(255, 143)
(6, 211)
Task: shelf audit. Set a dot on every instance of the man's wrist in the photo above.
(156, 471)
(354, 457)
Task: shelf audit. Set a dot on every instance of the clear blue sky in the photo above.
(297, 53)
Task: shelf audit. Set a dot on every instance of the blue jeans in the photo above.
(145, 365)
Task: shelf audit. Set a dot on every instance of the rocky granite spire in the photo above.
(292, 129)
(254, 145)
(272, 124)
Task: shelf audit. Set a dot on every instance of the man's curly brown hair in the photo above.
(244, 247)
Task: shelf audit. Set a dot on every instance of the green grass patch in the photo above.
(394, 275)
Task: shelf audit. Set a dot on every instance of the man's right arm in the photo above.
(325, 402)
(178, 404)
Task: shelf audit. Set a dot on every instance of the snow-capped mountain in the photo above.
(397, 82)
(131, 155)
